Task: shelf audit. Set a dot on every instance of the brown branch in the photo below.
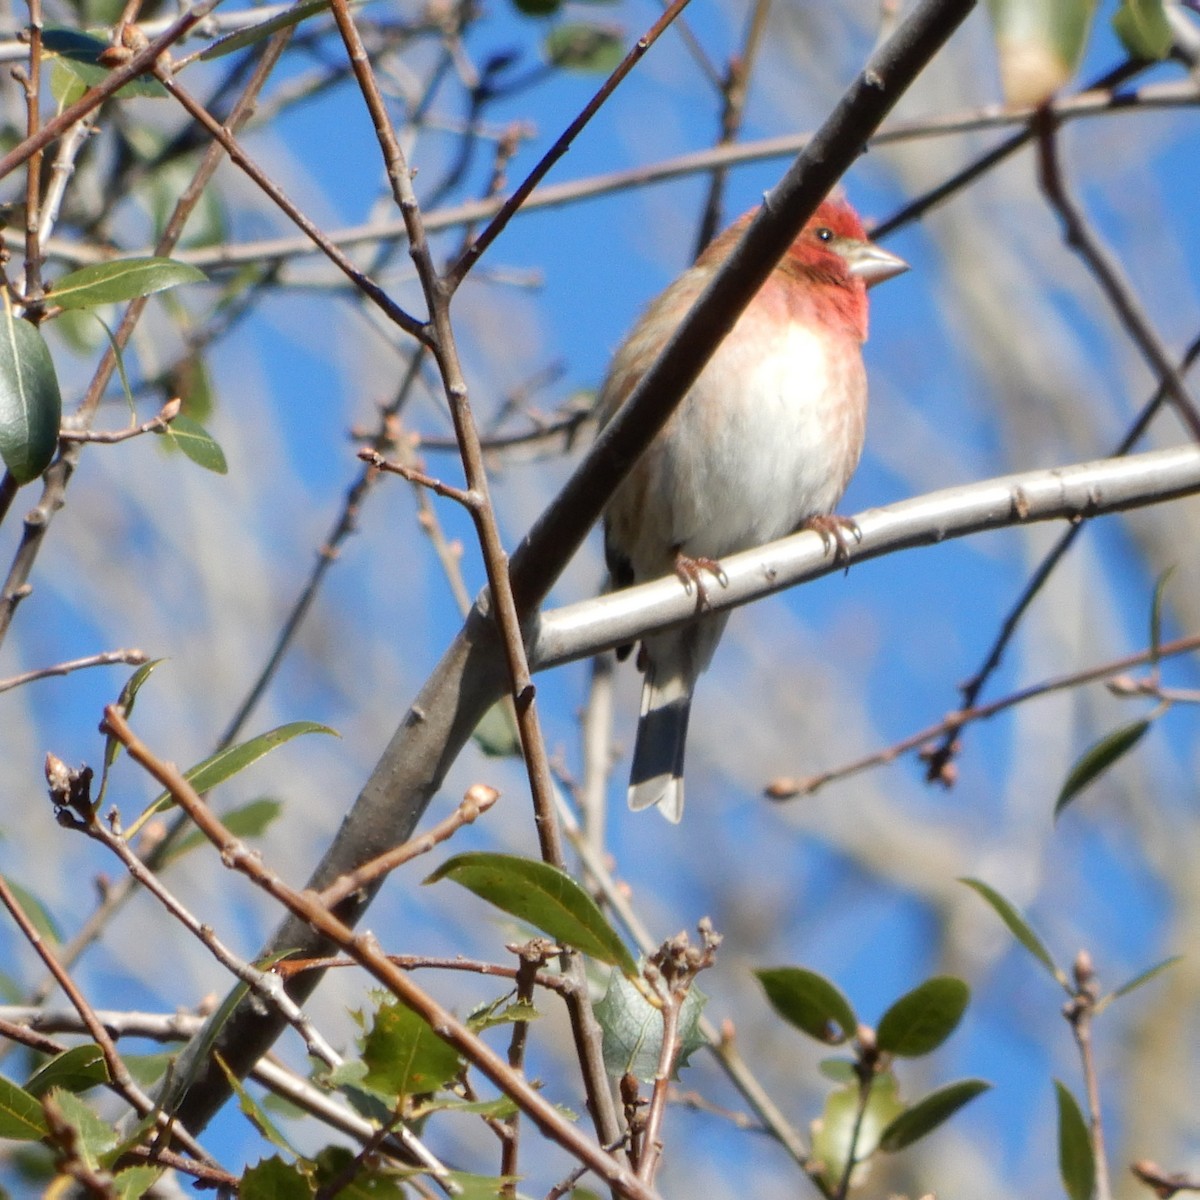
(156, 424)
(457, 273)
(472, 674)
(221, 135)
(1164, 1183)
(939, 757)
(467, 498)
(364, 949)
(787, 789)
(1079, 1012)
(1110, 278)
(141, 62)
(118, 1073)
(107, 658)
(31, 82)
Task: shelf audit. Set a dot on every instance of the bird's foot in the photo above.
(836, 533)
(690, 571)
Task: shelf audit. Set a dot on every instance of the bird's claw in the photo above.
(690, 569)
(836, 533)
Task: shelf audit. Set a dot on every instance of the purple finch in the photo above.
(763, 444)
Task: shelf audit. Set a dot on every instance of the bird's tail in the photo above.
(657, 773)
(672, 661)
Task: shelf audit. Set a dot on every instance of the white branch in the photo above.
(1073, 493)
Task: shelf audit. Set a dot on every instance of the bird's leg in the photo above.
(836, 533)
(690, 569)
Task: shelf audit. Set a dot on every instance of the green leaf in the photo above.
(1142, 978)
(1143, 28)
(1017, 926)
(1096, 760)
(499, 1109)
(249, 821)
(30, 402)
(193, 440)
(120, 280)
(93, 1135)
(543, 896)
(74, 1070)
(928, 1113)
(1039, 45)
(810, 1002)
(920, 1021)
(264, 29)
(1156, 604)
(594, 49)
(537, 8)
(126, 701)
(500, 1013)
(78, 54)
(368, 1180)
(21, 1116)
(840, 1070)
(134, 1182)
(274, 1179)
(495, 734)
(633, 1029)
(253, 1112)
(403, 1055)
(839, 1137)
(38, 914)
(1076, 1165)
(225, 764)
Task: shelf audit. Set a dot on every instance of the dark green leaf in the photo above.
(1075, 1162)
(193, 440)
(120, 280)
(499, 1109)
(929, 1112)
(21, 1117)
(404, 1057)
(920, 1021)
(78, 55)
(633, 1029)
(38, 914)
(1017, 926)
(1096, 760)
(126, 701)
(1145, 976)
(223, 765)
(274, 1179)
(594, 49)
(537, 8)
(75, 1070)
(810, 1002)
(368, 1180)
(1143, 28)
(256, 33)
(542, 895)
(1156, 605)
(30, 402)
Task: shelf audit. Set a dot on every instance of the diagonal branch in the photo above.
(473, 672)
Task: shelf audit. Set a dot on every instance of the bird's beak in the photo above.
(873, 264)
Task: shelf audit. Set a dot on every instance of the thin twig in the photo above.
(156, 424)
(1110, 278)
(457, 273)
(475, 803)
(221, 135)
(938, 759)
(108, 658)
(1079, 1012)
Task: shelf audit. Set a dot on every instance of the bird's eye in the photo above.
(824, 234)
